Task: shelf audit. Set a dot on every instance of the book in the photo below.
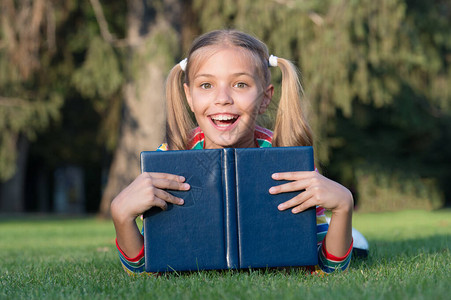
(229, 220)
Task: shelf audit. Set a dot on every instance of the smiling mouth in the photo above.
(224, 120)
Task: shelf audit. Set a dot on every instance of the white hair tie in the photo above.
(183, 64)
(272, 61)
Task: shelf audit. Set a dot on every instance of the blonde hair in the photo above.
(291, 127)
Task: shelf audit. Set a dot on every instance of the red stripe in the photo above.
(261, 133)
(264, 130)
(333, 257)
(198, 136)
(134, 259)
(320, 210)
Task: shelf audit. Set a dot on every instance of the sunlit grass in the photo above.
(76, 258)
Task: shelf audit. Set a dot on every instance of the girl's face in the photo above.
(226, 95)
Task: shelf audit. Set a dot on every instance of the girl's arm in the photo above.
(321, 191)
(143, 193)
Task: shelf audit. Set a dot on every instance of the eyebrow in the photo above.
(234, 75)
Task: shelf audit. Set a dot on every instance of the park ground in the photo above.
(75, 258)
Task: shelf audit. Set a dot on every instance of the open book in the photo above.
(229, 219)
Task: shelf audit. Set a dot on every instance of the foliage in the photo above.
(100, 76)
(18, 117)
(347, 51)
(377, 76)
(387, 190)
(76, 258)
(70, 60)
(29, 99)
(99, 79)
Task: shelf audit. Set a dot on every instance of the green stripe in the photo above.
(133, 264)
(263, 143)
(320, 236)
(199, 145)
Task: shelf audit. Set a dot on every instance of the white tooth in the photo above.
(222, 117)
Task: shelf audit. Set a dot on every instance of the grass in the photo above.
(55, 258)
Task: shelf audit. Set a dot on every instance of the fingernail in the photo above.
(281, 207)
(181, 178)
(181, 201)
(275, 175)
(186, 186)
(272, 190)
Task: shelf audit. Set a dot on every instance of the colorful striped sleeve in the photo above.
(163, 147)
(263, 137)
(133, 265)
(321, 224)
(328, 263)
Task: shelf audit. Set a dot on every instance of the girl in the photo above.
(225, 82)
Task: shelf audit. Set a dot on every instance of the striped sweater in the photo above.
(327, 263)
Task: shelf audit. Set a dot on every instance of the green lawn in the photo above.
(76, 258)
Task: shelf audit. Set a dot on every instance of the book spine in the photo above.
(229, 193)
(142, 161)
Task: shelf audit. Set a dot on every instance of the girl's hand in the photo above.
(143, 193)
(147, 191)
(318, 190)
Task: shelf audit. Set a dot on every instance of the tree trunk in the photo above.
(12, 196)
(152, 29)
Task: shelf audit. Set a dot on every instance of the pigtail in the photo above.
(291, 127)
(178, 121)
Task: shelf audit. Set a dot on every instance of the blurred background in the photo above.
(82, 93)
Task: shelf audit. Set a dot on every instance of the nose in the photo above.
(224, 97)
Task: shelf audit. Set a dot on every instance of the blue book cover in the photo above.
(229, 219)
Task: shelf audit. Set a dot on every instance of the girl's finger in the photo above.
(304, 205)
(165, 176)
(167, 197)
(293, 175)
(159, 203)
(294, 186)
(297, 200)
(163, 183)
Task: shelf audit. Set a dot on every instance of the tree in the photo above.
(28, 99)
(153, 42)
